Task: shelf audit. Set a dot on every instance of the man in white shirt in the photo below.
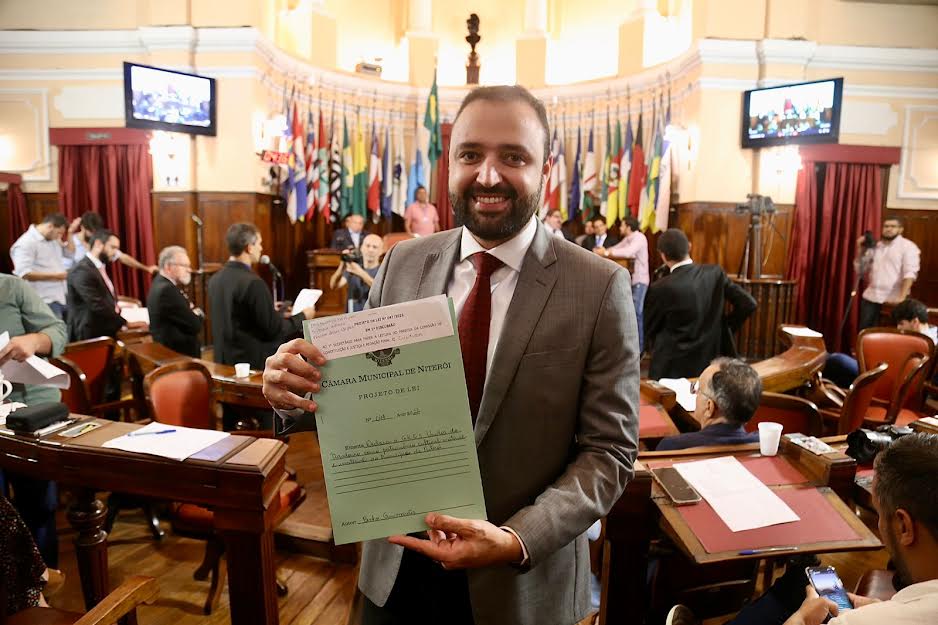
(39, 257)
(891, 268)
(553, 222)
(84, 227)
(550, 350)
(906, 500)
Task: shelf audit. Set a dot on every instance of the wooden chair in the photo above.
(393, 238)
(90, 365)
(893, 347)
(794, 413)
(122, 602)
(180, 393)
(906, 403)
(856, 402)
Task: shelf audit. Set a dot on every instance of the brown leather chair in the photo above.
(893, 347)
(123, 601)
(794, 413)
(856, 402)
(907, 398)
(393, 238)
(180, 393)
(90, 365)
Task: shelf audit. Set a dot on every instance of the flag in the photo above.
(551, 198)
(562, 175)
(322, 153)
(637, 174)
(416, 178)
(663, 194)
(359, 172)
(589, 178)
(651, 180)
(625, 169)
(312, 166)
(387, 175)
(374, 177)
(431, 121)
(612, 200)
(573, 205)
(287, 187)
(604, 175)
(336, 178)
(296, 200)
(347, 170)
(399, 187)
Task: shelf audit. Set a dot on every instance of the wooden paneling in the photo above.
(717, 234)
(40, 205)
(921, 227)
(172, 222)
(218, 211)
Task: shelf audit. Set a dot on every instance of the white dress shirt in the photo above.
(504, 280)
(33, 253)
(913, 605)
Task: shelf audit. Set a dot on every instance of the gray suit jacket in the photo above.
(557, 431)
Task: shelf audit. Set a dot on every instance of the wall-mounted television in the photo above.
(163, 99)
(807, 112)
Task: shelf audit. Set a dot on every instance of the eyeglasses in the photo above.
(186, 265)
(695, 389)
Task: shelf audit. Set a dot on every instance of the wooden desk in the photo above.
(644, 509)
(322, 264)
(795, 366)
(924, 426)
(145, 357)
(238, 477)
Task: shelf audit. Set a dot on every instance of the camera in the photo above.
(756, 204)
(352, 256)
(863, 444)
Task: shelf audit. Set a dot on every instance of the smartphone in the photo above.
(674, 484)
(828, 585)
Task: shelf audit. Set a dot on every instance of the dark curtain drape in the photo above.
(115, 181)
(19, 221)
(834, 204)
(443, 206)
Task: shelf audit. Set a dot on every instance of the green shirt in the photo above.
(23, 312)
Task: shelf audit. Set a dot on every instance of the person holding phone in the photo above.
(906, 499)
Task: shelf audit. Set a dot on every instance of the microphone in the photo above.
(265, 260)
(197, 220)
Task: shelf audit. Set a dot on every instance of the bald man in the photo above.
(359, 277)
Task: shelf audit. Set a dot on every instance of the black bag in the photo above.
(36, 417)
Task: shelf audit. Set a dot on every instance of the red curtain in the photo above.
(19, 221)
(443, 207)
(834, 204)
(115, 181)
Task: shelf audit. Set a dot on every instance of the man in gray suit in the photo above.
(556, 425)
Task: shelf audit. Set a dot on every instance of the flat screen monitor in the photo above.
(163, 99)
(807, 112)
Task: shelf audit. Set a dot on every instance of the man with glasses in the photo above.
(174, 320)
(728, 393)
(891, 267)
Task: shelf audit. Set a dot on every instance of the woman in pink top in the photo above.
(421, 217)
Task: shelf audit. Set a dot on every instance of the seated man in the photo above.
(728, 393)
(34, 331)
(910, 314)
(174, 320)
(906, 500)
(359, 278)
(351, 235)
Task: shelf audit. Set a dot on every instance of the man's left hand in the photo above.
(813, 611)
(463, 543)
(19, 348)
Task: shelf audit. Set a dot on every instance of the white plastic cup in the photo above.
(769, 435)
(243, 370)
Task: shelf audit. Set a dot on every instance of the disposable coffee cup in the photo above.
(769, 435)
(242, 369)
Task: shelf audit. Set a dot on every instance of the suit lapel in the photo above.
(535, 282)
(97, 273)
(438, 266)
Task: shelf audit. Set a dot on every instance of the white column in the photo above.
(535, 16)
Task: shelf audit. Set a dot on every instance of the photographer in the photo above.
(890, 267)
(358, 270)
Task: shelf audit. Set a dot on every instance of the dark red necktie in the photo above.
(474, 328)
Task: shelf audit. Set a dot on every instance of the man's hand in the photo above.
(354, 268)
(152, 270)
(463, 543)
(599, 250)
(287, 377)
(859, 601)
(813, 611)
(74, 226)
(309, 312)
(20, 348)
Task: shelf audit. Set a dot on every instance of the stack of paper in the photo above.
(306, 298)
(681, 388)
(33, 370)
(168, 441)
(802, 331)
(132, 314)
(735, 494)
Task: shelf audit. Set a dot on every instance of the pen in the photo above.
(752, 552)
(146, 433)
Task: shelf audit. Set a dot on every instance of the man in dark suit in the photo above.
(174, 321)
(92, 302)
(351, 236)
(561, 327)
(600, 239)
(245, 326)
(684, 319)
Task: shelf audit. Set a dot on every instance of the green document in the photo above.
(395, 432)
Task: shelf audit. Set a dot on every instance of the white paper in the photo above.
(381, 328)
(33, 370)
(801, 331)
(736, 495)
(177, 445)
(131, 315)
(681, 388)
(306, 298)
(930, 420)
